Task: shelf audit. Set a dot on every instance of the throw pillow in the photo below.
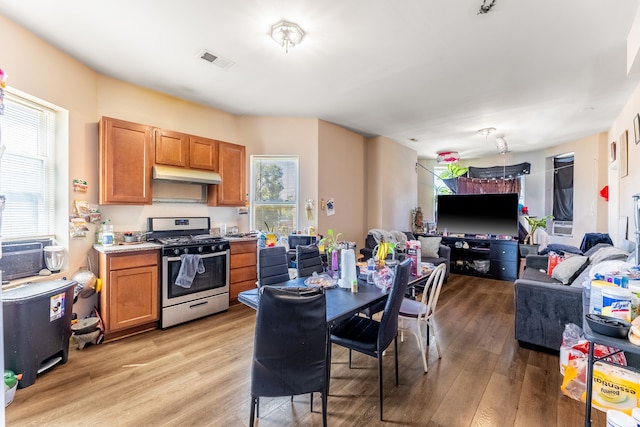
(429, 246)
(595, 249)
(608, 253)
(569, 269)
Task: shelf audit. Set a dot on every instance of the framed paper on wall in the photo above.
(636, 128)
(622, 166)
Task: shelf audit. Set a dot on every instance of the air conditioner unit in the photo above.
(562, 228)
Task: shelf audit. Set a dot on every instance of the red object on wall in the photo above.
(604, 193)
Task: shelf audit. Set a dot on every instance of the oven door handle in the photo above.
(205, 256)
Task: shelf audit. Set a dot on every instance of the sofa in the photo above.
(443, 252)
(545, 304)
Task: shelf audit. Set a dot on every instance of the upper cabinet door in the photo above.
(231, 164)
(203, 153)
(125, 160)
(172, 148)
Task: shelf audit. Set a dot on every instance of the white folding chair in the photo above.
(414, 315)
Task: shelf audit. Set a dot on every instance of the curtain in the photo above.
(563, 188)
(509, 171)
(483, 186)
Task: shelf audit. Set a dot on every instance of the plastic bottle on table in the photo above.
(371, 268)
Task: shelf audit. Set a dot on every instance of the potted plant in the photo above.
(331, 244)
(449, 178)
(528, 246)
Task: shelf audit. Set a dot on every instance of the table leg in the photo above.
(587, 409)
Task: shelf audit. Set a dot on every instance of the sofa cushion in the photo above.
(560, 249)
(608, 253)
(536, 275)
(567, 271)
(429, 246)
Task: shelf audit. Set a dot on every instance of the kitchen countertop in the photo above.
(242, 239)
(126, 248)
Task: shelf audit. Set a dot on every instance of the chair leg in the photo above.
(395, 343)
(257, 407)
(324, 407)
(380, 381)
(421, 346)
(310, 401)
(349, 358)
(254, 403)
(434, 338)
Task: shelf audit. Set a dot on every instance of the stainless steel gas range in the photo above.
(187, 244)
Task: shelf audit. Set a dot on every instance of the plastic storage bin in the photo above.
(37, 327)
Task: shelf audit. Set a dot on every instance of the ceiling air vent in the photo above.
(216, 60)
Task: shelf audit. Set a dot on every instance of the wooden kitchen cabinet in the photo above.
(243, 268)
(125, 160)
(231, 164)
(187, 151)
(129, 300)
(203, 153)
(171, 148)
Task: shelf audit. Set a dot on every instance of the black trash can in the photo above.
(37, 327)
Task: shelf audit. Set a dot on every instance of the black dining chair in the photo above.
(372, 337)
(290, 351)
(273, 265)
(308, 260)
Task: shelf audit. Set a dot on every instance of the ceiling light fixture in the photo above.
(287, 34)
(486, 8)
(486, 131)
(448, 157)
(501, 143)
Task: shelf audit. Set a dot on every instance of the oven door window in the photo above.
(214, 276)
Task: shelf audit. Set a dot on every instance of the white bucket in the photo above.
(616, 302)
(634, 287)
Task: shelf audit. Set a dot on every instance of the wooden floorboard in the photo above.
(198, 374)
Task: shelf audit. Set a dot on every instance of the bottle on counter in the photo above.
(107, 233)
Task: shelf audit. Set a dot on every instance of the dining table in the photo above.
(341, 302)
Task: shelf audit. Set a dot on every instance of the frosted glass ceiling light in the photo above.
(501, 143)
(287, 34)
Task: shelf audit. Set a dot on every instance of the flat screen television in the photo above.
(478, 214)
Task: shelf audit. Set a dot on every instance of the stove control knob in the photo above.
(200, 248)
(221, 247)
(176, 251)
(185, 251)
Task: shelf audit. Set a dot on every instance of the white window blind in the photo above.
(26, 169)
(274, 193)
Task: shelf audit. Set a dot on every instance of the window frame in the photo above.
(257, 203)
(47, 129)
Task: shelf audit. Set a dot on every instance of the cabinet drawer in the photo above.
(119, 262)
(503, 270)
(243, 273)
(244, 247)
(504, 251)
(243, 260)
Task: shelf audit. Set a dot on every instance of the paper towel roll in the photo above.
(347, 268)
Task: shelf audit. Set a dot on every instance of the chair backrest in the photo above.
(290, 344)
(389, 322)
(308, 260)
(273, 265)
(432, 291)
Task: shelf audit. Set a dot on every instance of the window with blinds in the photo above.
(274, 193)
(27, 181)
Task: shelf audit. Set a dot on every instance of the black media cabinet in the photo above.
(490, 258)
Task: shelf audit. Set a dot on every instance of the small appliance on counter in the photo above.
(54, 257)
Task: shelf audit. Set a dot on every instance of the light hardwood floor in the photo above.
(197, 374)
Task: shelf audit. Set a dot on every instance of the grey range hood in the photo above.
(170, 173)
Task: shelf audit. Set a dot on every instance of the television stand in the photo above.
(490, 258)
